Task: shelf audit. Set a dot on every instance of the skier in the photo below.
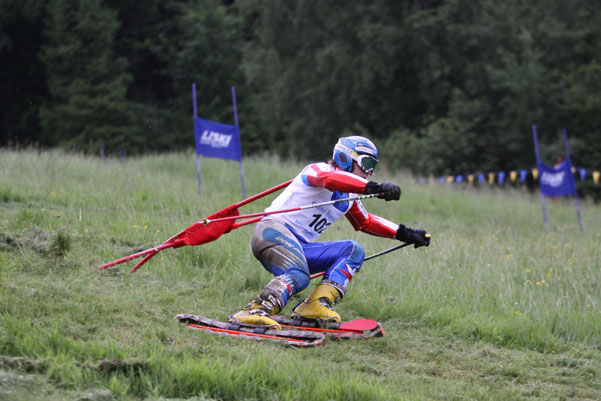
(285, 243)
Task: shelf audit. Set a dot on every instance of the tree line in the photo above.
(442, 86)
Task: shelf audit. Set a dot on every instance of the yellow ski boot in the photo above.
(260, 310)
(319, 305)
(256, 314)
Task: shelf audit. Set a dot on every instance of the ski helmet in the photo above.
(356, 148)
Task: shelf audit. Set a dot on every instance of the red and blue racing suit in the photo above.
(285, 243)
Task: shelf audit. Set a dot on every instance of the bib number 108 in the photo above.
(319, 224)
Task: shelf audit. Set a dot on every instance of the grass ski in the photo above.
(296, 332)
(360, 328)
(295, 338)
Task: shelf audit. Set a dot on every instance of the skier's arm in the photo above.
(379, 226)
(336, 180)
(369, 223)
(342, 181)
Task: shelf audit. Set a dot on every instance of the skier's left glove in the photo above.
(416, 236)
(387, 190)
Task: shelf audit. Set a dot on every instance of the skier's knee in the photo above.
(356, 253)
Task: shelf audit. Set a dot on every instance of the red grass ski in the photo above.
(295, 332)
(359, 328)
(296, 338)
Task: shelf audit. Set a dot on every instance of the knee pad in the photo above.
(349, 263)
(356, 254)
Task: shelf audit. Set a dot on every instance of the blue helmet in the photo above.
(356, 148)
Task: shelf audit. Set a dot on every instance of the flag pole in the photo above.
(239, 143)
(542, 196)
(565, 142)
(195, 111)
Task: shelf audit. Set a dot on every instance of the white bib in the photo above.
(309, 223)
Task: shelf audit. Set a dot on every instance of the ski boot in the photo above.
(318, 305)
(259, 311)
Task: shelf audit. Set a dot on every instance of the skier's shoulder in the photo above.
(316, 168)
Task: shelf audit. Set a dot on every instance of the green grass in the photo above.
(494, 309)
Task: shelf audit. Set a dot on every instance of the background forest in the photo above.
(444, 87)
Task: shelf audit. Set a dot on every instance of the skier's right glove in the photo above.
(416, 236)
(387, 190)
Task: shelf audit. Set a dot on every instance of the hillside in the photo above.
(494, 309)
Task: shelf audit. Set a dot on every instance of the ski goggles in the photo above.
(367, 163)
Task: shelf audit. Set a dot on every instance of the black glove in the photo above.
(387, 190)
(415, 236)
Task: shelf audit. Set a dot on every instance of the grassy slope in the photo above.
(492, 310)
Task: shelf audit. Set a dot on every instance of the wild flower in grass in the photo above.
(158, 231)
(518, 313)
(145, 227)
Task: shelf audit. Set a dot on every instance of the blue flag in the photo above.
(501, 177)
(217, 140)
(556, 181)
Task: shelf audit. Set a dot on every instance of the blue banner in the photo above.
(217, 140)
(501, 177)
(556, 181)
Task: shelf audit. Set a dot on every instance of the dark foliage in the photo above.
(443, 87)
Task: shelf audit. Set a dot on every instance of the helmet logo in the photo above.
(364, 149)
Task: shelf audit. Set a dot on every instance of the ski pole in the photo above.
(394, 248)
(292, 209)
